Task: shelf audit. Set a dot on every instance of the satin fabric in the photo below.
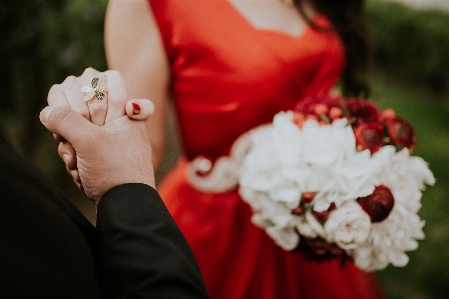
(229, 77)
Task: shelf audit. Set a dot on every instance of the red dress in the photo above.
(228, 77)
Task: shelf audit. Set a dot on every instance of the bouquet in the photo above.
(333, 178)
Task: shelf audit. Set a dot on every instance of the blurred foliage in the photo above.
(426, 276)
(43, 42)
(410, 44)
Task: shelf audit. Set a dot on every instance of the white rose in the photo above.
(325, 145)
(348, 226)
(305, 229)
(285, 237)
(389, 240)
(405, 175)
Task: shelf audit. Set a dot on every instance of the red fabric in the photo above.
(228, 77)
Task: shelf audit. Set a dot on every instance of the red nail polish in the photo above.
(136, 109)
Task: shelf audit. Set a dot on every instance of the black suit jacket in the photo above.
(48, 249)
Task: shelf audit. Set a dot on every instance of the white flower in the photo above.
(274, 217)
(283, 161)
(406, 177)
(348, 226)
(326, 145)
(338, 171)
(404, 174)
(285, 237)
(389, 240)
(305, 229)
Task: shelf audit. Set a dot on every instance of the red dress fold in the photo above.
(227, 78)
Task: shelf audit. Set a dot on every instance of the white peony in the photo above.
(405, 175)
(348, 226)
(389, 240)
(305, 228)
(339, 171)
(285, 161)
(285, 237)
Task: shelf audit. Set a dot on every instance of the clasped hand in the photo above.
(103, 143)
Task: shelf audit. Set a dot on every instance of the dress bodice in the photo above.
(229, 76)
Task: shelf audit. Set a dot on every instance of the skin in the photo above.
(130, 35)
(78, 150)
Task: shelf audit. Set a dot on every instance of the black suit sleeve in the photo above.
(144, 253)
(47, 248)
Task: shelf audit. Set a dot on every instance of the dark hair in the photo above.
(347, 19)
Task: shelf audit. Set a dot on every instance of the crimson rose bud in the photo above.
(307, 197)
(335, 113)
(379, 204)
(299, 210)
(369, 136)
(401, 133)
(388, 113)
(363, 111)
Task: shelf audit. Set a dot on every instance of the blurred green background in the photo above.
(42, 42)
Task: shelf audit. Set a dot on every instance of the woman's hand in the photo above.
(114, 105)
(99, 112)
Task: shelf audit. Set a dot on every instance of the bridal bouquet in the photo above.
(333, 178)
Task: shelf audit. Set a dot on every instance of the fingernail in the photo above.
(136, 109)
(43, 116)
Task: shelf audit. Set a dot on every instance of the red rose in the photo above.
(308, 105)
(369, 136)
(388, 113)
(379, 204)
(307, 197)
(319, 250)
(400, 132)
(363, 111)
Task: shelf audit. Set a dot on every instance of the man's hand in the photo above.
(114, 154)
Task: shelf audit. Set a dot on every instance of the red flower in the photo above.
(400, 132)
(319, 250)
(335, 113)
(369, 136)
(388, 113)
(308, 105)
(307, 197)
(379, 204)
(299, 210)
(363, 111)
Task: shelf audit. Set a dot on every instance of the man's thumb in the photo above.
(66, 123)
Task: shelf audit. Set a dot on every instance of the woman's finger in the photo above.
(71, 87)
(98, 109)
(117, 95)
(56, 96)
(96, 95)
(139, 109)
